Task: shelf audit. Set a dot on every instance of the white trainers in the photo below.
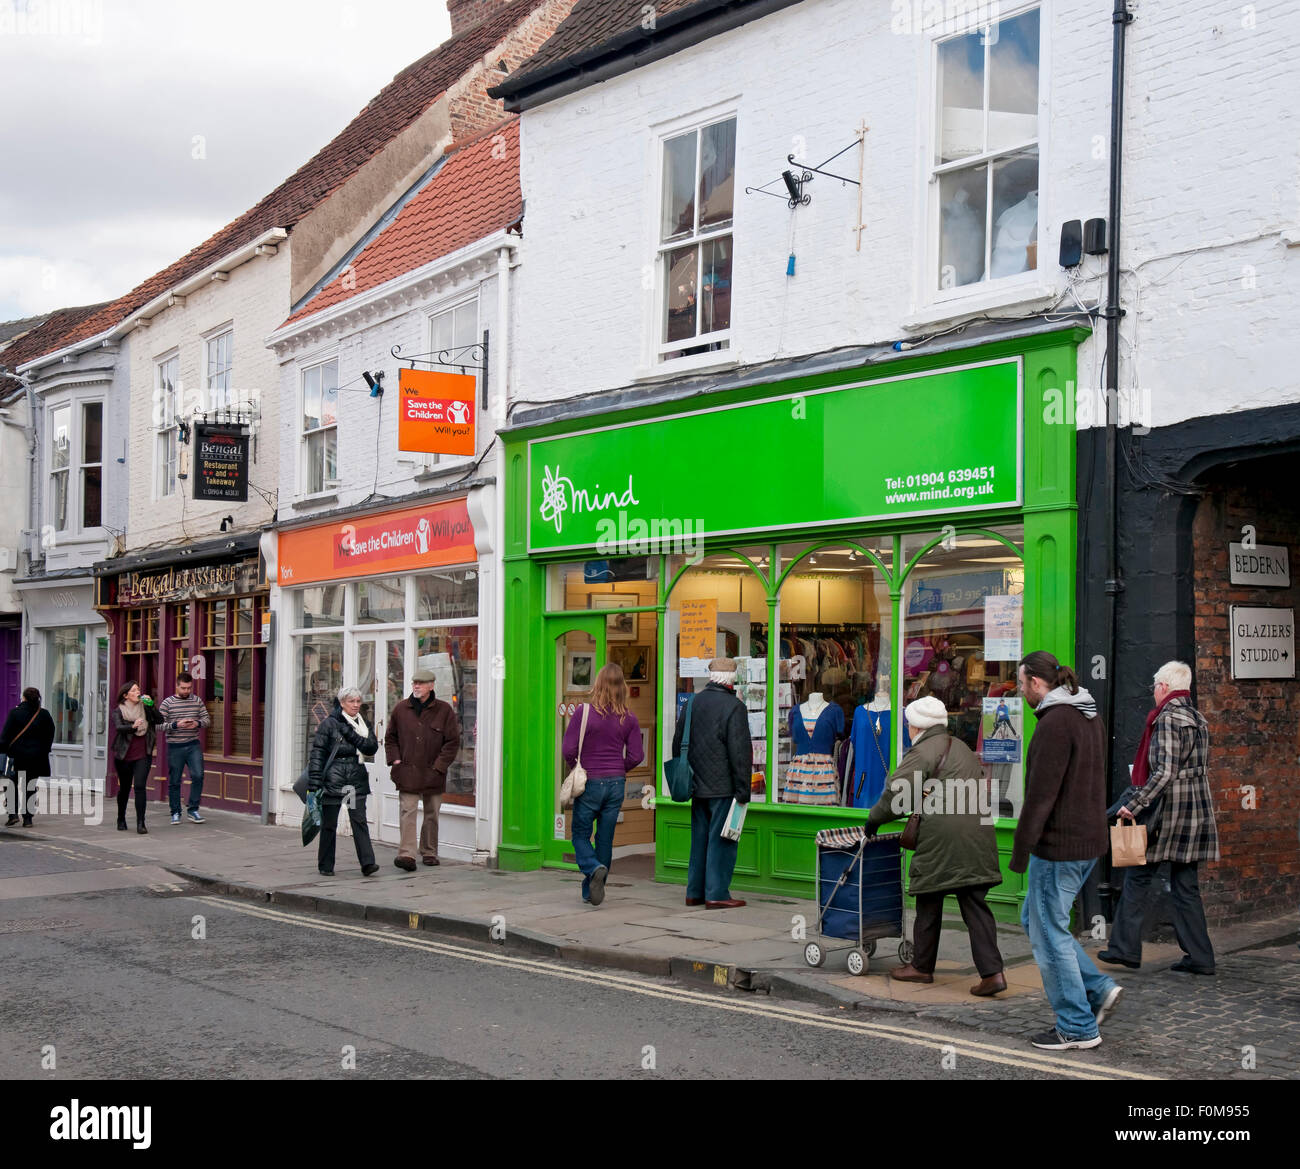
(1109, 1003)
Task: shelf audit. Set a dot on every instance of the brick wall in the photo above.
(467, 13)
(1254, 728)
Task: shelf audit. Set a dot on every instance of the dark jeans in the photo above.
(713, 859)
(20, 795)
(599, 804)
(980, 925)
(1189, 914)
(178, 756)
(136, 772)
(329, 821)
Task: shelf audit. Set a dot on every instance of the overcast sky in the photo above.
(134, 129)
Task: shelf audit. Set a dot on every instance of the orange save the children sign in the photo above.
(435, 412)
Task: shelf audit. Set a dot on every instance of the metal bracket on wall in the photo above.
(465, 357)
(794, 184)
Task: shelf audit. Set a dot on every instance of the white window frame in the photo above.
(989, 290)
(656, 349)
(430, 462)
(82, 466)
(225, 333)
(328, 486)
(65, 471)
(166, 412)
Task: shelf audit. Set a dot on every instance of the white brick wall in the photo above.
(1211, 158)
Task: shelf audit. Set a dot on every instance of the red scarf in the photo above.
(1140, 772)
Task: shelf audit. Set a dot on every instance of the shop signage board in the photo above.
(1263, 642)
(436, 412)
(699, 628)
(1264, 564)
(430, 535)
(187, 584)
(220, 462)
(921, 444)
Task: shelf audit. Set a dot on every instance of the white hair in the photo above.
(1175, 675)
(348, 692)
(723, 677)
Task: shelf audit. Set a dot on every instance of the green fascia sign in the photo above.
(912, 445)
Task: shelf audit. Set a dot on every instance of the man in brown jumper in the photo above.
(422, 741)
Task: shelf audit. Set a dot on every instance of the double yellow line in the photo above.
(959, 1045)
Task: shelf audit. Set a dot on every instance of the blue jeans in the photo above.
(178, 755)
(1073, 985)
(599, 804)
(713, 859)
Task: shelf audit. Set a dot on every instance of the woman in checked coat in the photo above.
(1172, 770)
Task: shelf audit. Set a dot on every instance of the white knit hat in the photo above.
(926, 712)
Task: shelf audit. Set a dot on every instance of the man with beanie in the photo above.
(1060, 835)
(422, 741)
(722, 760)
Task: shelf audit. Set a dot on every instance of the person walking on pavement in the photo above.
(335, 769)
(26, 740)
(135, 720)
(610, 746)
(184, 715)
(956, 853)
(1060, 835)
(1170, 783)
(422, 742)
(722, 759)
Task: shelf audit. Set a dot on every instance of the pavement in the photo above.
(1242, 1023)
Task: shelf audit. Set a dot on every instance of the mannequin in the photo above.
(881, 700)
(815, 727)
(815, 704)
(871, 737)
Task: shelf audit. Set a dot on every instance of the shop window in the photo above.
(319, 675)
(833, 662)
(986, 163)
(447, 595)
(321, 606)
(570, 585)
(60, 461)
(65, 657)
(180, 616)
(235, 665)
(381, 602)
(220, 360)
(451, 652)
(962, 609)
(167, 410)
(242, 699)
(695, 240)
(319, 427)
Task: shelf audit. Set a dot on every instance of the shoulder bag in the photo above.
(575, 783)
(912, 830)
(677, 770)
(8, 765)
(300, 784)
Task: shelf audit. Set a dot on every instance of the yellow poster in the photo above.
(699, 629)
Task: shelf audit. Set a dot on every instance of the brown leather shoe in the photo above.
(695, 901)
(990, 985)
(732, 904)
(405, 862)
(909, 973)
(432, 860)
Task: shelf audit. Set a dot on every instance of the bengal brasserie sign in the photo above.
(220, 463)
(188, 583)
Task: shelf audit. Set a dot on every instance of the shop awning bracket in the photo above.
(795, 183)
(462, 358)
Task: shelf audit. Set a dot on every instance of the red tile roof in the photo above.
(47, 337)
(474, 193)
(396, 106)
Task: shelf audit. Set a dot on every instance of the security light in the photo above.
(376, 383)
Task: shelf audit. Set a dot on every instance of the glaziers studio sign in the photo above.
(187, 584)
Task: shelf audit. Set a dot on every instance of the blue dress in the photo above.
(870, 738)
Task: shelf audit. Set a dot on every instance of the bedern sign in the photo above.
(1264, 564)
(1263, 642)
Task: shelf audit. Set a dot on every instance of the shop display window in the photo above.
(447, 595)
(65, 658)
(235, 667)
(318, 679)
(381, 602)
(451, 652)
(321, 606)
(569, 586)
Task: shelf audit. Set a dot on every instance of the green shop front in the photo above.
(855, 540)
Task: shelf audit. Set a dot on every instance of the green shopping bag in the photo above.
(311, 818)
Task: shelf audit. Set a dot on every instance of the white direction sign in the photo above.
(1264, 564)
(1263, 642)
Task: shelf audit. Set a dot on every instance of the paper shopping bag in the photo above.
(1128, 844)
(735, 824)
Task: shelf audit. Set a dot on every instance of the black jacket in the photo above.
(721, 755)
(124, 732)
(347, 768)
(31, 752)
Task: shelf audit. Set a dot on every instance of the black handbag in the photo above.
(1149, 817)
(300, 784)
(912, 829)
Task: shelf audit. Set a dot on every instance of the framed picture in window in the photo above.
(633, 660)
(619, 626)
(581, 673)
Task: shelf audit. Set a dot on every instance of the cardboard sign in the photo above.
(699, 629)
(220, 462)
(436, 412)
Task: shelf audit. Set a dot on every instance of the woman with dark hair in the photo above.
(134, 718)
(26, 740)
(606, 738)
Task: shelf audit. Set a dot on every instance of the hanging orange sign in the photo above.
(436, 412)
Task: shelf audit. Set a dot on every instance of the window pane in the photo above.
(381, 601)
(59, 500)
(330, 444)
(314, 452)
(329, 390)
(90, 497)
(242, 699)
(715, 265)
(569, 585)
(322, 606)
(680, 285)
(216, 686)
(963, 200)
(717, 174)
(441, 332)
(65, 655)
(1015, 214)
(92, 416)
(244, 621)
(1013, 81)
(451, 652)
(319, 676)
(311, 398)
(215, 623)
(60, 438)
(678, 219)
(960, 130)
(447, 595)
(466, 325)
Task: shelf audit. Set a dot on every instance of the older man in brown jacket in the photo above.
(422, 741)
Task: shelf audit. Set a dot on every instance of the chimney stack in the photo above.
(467, 13)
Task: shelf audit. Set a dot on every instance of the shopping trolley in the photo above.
(859, 895)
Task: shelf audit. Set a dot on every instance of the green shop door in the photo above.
(579, 647)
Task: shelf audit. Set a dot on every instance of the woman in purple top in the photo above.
(610, 748)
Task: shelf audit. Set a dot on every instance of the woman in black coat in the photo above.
(335, 771)
(26, 739)
(134, 719)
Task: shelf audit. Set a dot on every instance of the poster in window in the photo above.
(1003, 729)
(220, 463)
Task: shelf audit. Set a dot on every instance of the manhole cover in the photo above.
(25, 925)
